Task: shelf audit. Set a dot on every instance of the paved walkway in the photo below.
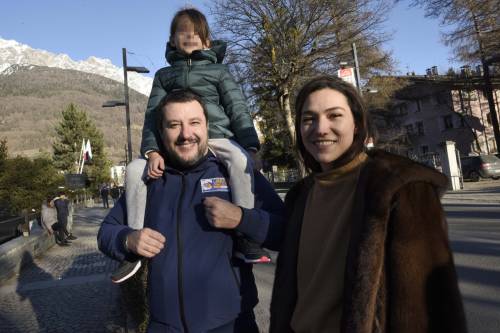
(65, 290)
(484, 191)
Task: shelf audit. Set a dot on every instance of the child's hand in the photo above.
(257, 163)
(156, 165)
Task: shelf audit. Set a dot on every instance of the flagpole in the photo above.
(82, 150)
(80, 169)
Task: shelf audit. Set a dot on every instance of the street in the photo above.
(475, 239)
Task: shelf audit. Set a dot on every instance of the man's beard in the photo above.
(179, 162)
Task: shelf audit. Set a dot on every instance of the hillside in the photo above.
(32, 98)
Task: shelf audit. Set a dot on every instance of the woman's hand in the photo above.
(156, 165)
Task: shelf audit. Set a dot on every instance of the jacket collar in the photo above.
(215, 54)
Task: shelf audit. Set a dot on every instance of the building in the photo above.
(118, 174)
(432, 109)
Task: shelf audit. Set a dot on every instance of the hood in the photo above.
(215, 53)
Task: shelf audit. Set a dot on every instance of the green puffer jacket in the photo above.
(204, 74)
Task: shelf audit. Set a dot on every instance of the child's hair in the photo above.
(197, 18)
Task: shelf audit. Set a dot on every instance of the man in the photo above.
(62, 207)
(104, 195)
(194, 283)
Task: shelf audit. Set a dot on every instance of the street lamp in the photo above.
(344, 64)
(109, 104)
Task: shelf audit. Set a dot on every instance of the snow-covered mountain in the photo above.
(14, 53)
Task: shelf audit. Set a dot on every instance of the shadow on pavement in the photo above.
(480, 276)
(481, 248)
(38, 304)
(76, 295)
(480, 214)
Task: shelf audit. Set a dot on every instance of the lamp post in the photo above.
(108, 104)
(356, 67)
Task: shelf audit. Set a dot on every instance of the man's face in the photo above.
(184, 132)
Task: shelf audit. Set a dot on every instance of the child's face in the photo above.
(185, 38)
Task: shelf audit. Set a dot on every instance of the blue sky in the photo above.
(83, 28)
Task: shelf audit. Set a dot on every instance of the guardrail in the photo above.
(16, 226)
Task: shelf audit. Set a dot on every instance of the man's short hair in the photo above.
(177, 96)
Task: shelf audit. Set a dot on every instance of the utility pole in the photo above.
(110, 104)
(127, 107)
(356, 67)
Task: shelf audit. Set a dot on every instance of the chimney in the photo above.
(465, 70)
(434, 70)
(428, 72)
(479, 70)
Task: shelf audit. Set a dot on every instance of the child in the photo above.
(196, 65)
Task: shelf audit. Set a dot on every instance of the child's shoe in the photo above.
(250, 252)
(126, 270)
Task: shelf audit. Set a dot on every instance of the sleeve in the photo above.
(265, 223)
(235, 106)
(150, 135)
(113, 232)
(423, 288)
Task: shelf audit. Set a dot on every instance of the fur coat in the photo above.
(399, 276)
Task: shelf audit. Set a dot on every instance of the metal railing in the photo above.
(16, 226)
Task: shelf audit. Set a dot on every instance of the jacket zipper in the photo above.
(179, 260)
(187, 73)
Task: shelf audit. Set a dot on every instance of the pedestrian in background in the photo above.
(48, 216)
(115, 193)
(62, 206)
(366, 247)
(104, 191)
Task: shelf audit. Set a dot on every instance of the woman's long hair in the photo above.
(358, 110)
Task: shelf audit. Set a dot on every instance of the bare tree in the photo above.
(277, 44)
(474, 26)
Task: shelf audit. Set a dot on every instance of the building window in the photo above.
(488, 118)
(448, 122)
(442, 98)
(420, 128)
(424, 149)
(403, 109)
(409, 129)
(419, 105)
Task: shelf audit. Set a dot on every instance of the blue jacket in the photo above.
(194, 282)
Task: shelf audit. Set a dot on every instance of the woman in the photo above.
(366, 247)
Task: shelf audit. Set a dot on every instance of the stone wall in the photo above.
(12, 252)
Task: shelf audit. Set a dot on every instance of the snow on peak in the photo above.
(15, 53)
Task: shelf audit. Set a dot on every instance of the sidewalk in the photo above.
(484, 191)
(67, 289)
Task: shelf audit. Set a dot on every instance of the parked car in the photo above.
(482, 166)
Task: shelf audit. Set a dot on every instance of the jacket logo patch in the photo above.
(214, 185)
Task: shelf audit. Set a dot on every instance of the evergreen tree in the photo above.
(3, 152)
(25, 183)
(71, 131)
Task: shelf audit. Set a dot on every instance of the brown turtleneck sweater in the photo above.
(323, 247)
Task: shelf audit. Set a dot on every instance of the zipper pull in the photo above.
(189, 62)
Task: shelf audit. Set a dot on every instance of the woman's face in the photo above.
(327, 126)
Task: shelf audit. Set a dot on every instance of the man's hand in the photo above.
(145, 242)
(156, 165)
(257, 163)
(222, 213)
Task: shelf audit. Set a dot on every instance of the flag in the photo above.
(87, 154)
